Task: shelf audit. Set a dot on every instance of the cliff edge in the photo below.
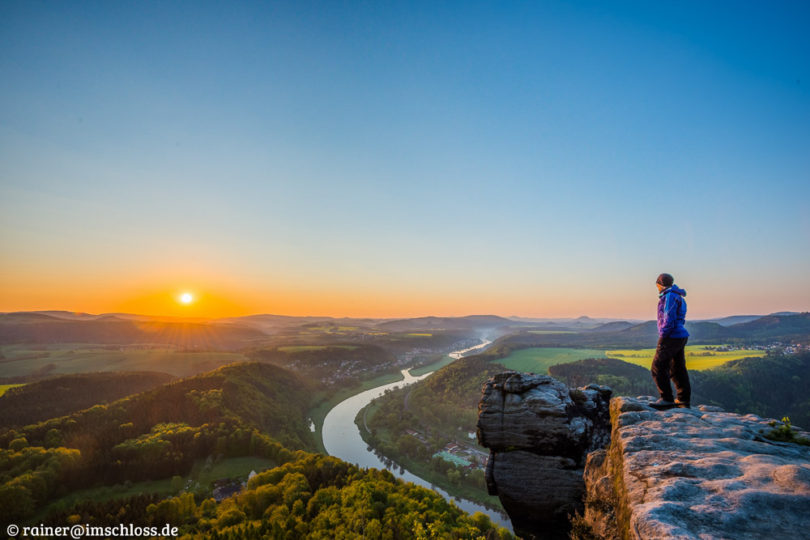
(633, 471)
(695, 473)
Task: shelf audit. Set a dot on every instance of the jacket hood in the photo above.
(675, 289)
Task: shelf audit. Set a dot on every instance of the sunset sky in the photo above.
(404, 158)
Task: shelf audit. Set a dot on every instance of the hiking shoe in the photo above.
(662, 404)
(682, 404)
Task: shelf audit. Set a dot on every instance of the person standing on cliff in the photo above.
(670, 359)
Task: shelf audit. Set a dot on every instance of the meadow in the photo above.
(4, 387)
(698, 357)
(538, 360)
(60, 359)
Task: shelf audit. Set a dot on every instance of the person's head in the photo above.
(664, 281)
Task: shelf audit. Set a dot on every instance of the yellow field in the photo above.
(417, 334)
(4, 387)
(697, 356)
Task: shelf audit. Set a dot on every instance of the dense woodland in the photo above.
(311, 496)
(65, 394)
(239, 410)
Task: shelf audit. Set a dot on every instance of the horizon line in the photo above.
(387, 318)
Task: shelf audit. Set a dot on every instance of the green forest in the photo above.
(239, 410)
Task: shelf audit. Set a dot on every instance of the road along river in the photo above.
(342, 439)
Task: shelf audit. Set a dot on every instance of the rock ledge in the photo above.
(695, 473)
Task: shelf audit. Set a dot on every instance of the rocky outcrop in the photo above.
(539, 433)
(695, 473)
(642, 473)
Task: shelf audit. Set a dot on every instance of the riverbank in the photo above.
(328, 402)
(423, 469)
(342, 439)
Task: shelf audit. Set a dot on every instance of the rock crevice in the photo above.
(539, 433)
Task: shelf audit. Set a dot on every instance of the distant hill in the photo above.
(33, 327)
(615, 326)
(763, 330)
(777, 326)
(471, 322)
(66, 394)
(734, 319)
(270, 323)
(568, 324)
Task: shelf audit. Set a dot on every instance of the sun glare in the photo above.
(186, 298)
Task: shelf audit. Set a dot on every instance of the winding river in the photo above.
(342, 439)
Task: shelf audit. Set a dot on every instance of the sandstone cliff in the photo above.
(682, 473)
(539, 433)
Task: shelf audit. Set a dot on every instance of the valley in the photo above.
(149, 432)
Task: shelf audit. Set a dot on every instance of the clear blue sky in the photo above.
(369, 158)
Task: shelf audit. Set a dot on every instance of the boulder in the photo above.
(539, 433)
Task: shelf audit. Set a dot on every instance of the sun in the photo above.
(186, 298)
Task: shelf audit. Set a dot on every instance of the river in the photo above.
(342, 439)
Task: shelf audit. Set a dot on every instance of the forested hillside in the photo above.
(239, 410)
(66, 394)
(309, 496)
(773, 386)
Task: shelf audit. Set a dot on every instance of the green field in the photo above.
(81, 358)
(4, 387)
(538, 360)
(697, 356)
(239, 467)
(302, 348)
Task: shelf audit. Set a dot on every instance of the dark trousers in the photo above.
(670, 363)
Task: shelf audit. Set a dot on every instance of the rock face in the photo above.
(695, 473)
(643, 473)
(539, 433)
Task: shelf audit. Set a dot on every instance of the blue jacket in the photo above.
(672, 313)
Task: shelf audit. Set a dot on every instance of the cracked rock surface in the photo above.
(695, 473)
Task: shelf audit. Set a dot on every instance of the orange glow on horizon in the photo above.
(215, 298)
